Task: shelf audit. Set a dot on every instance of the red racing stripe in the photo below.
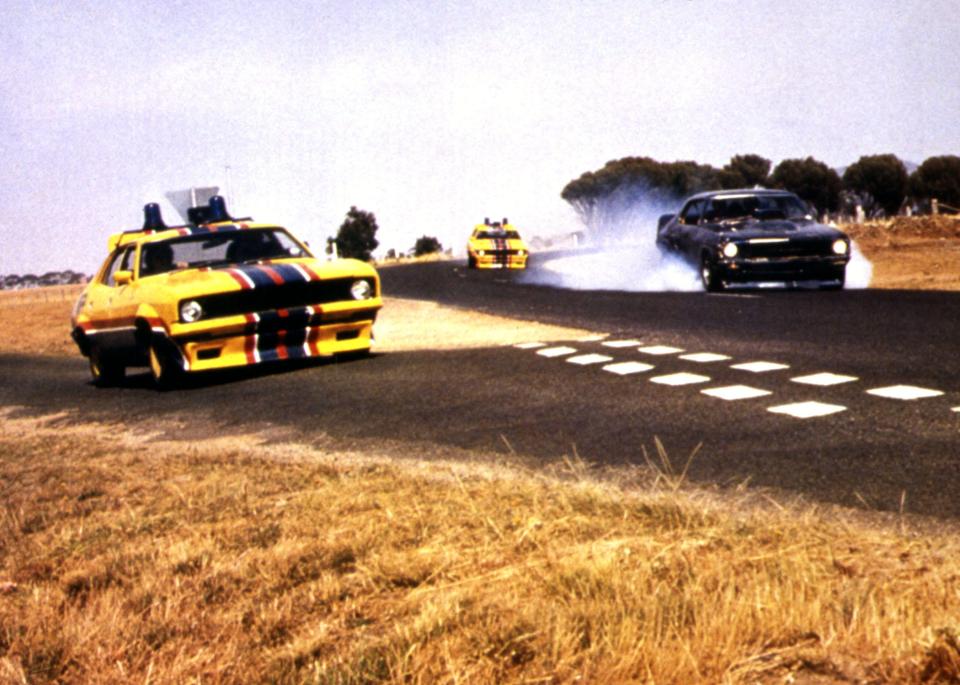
(273, 274)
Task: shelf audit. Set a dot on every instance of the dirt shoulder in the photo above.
(911, 253)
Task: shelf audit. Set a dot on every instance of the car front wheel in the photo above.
(104, 370)
(164, 368)
(708, 275)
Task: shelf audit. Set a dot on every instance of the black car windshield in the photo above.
(763, 207)
(499, 235)
(218, 249)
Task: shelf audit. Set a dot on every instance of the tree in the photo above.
(356, 237)
(744, 171)
(623, 185)
(812, 180)
(938, 177)
(883, 177)
(426, 245)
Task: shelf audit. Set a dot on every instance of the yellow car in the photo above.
(221, 293)
(496, 245)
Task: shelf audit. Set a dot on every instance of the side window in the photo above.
(692, 213)
(121, 261)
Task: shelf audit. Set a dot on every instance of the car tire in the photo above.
(471, 262)
(105, 371)
(164, 368)
(708, 275)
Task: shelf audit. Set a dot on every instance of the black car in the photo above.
(753, 237)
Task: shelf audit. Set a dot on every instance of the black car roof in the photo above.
(740, 191)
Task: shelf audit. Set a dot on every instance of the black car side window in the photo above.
(691, 215)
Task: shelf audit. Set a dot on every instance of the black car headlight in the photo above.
(190, 311)
(730, 250)
(361, 290)
(840, 246)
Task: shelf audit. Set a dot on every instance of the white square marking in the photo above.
(680, 379)
(585, 359)
(735, 392)
(904, 392)
(622, 343)
(956, 409)
(704, 357)
(627, 368)
(556, 351)
(760, 367)
(659, 350)
(824, 379)
(807, 410)
(529, 345)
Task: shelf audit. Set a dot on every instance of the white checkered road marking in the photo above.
(760, 367)
(556, 351)
(904, 392)
(807, 410)
(587, 359)
(622, 343)
(680, 379)
(704, 357)
(529, 345)
(659, 350)
(627, 368)
(956, 409)
(824, 379)
(736, 392)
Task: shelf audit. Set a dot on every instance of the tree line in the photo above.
(880, 184)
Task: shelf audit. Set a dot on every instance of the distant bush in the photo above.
(426, 245)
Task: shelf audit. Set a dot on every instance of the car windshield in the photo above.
(498, 235)
(762, 207)
(218, 249)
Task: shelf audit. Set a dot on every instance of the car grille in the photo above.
(786, 250)
(286, 296)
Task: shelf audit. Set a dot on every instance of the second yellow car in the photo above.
(496, 245)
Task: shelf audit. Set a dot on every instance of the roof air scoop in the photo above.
(152, 219)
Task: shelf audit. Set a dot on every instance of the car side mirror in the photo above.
(122, 277)
(664, 218)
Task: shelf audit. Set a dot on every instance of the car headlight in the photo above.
(730, 250)
(190, 311)
(480, 253)
(521, 252)
(840, 246)
(361, 290)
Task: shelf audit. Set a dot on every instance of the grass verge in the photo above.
(124, 558)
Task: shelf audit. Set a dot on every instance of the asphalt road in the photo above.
(861, 449)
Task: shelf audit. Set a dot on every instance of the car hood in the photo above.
(266, 274)
(779, 228)
(497, 243)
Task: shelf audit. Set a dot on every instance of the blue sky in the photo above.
(433, 115)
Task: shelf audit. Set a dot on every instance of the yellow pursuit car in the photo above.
(219, 293)
(496, 245)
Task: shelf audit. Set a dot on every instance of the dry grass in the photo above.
(37, 321)
(127, 559)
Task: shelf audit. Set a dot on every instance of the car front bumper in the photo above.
(492, 260)
(783, 270)
(273, 336)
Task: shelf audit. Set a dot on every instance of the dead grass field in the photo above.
(129, 558)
